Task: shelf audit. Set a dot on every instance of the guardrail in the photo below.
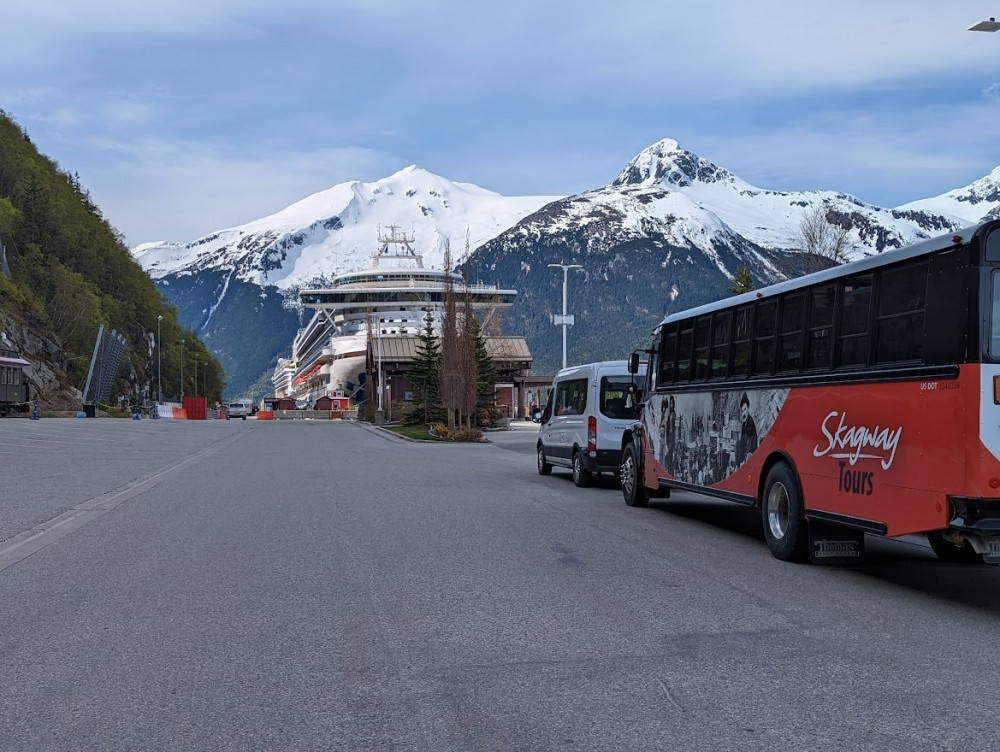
(315, 414)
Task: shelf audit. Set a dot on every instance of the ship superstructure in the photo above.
(390, 298)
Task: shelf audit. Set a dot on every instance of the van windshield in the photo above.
(620, 397)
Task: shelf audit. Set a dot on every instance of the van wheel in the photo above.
(948, 551)
(631, 478)
(582, 478)
(544, 468)
(783, 512)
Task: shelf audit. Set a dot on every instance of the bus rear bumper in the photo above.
(976, 522)
(975, 515)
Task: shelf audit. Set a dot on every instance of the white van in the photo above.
(587, 412)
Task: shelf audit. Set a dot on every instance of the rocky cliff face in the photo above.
(47, 383)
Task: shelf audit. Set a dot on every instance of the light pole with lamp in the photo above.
(564, 320)
(991, 25)
(159, 366)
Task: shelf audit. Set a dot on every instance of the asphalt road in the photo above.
(322, 586)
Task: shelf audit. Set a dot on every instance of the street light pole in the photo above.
(991, 25)
(564, 320)
(182, 372)
(159, 368)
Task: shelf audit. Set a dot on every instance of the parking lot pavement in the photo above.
(518, 437)
(49, 466)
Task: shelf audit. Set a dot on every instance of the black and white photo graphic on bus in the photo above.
(705, 437)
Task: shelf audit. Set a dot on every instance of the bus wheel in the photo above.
(544, 468)
(581, 477)
(784, 515)
(632, 488)
(948, 551)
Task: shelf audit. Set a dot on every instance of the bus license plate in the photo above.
(992, 555)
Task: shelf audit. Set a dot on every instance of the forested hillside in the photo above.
(69, 272)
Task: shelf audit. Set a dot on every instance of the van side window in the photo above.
(571, 397)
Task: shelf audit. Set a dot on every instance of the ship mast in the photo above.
(396, 246)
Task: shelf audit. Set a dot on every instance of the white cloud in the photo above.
(183, 116)
(180, 191)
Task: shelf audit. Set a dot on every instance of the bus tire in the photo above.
(631, 478)
(581, 477)
(948, 551)
(783, 513)
(544, 468)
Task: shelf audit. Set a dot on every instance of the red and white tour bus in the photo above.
(859, 399)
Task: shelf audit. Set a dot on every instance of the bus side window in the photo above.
(742, 338)
(899, 333)
(790, 341)
(852, 337)
(819, 333)
(668, 356)
(764, 332)
(702, 341)
(685, 343)
(720, 344)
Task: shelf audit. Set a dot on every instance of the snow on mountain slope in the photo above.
(713, 198)
(971, 204)
(336, 230)
(675, 198)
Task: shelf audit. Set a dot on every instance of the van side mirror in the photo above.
(633, 363)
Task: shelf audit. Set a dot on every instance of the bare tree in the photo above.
(467, 350)
(451, 354)
(824, 242)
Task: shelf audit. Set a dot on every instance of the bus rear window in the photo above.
(995, 318)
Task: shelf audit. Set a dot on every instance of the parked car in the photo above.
(239, 409)
(582, 425)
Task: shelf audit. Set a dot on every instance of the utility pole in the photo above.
(159, 367)
(564, 320)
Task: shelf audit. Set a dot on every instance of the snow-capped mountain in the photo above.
(973, 204)
(683, 199)
(668, 233)
(336, 230)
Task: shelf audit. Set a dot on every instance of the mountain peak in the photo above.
(665, 163)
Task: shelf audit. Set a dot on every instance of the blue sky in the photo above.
(194, 115)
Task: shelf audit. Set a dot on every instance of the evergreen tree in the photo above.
(426, 377)
(486, 376)
(742, 281)
(70, 272)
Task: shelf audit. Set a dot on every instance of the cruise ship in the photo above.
(391, 298)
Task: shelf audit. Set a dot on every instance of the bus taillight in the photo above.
(996, 390)
(592, 432)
